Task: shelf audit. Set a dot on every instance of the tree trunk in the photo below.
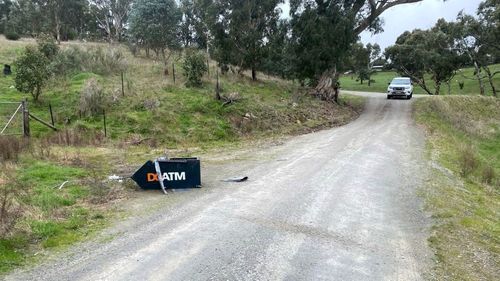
(327, 87)
(254, 74)
(490, 80)
(37, 92)
(438, 87)
(58, 24)
(479, 78)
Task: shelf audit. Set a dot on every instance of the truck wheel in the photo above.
(388, 97)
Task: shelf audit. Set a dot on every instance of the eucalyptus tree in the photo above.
(111, 16)
(323, 32)
(240, 30)
(155, 25)
(426, 52)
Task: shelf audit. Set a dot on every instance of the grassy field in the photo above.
(471, 87)
(155, 115)
(463, 191)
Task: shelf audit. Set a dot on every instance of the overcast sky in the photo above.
(421, 15)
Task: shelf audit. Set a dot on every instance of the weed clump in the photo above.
(92, 98)
(488, 175)
(10, 209)
(97, 60)
(11, 148)
(468, 161)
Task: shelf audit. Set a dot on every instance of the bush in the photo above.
(105, 61)
(488, 175)
(97, 60)
(12, 35)
(468, 161)
(47, 46)
(32, 72)
(70, 61)
(194, 66)
(92, 99)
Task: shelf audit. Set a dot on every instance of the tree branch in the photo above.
(377, 11)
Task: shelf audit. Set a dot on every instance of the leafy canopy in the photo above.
(32, 72)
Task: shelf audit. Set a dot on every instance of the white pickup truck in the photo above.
(400, 87)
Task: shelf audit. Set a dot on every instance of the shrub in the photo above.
(105, 61)
(47, 46)
(96, 60)
(32, 72)
(488, 175)
(70, 61)
(92, 99)
(12, 35)
(468, 161)
(194, 66)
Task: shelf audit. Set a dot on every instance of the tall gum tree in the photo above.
(324, 30)
(241, 29)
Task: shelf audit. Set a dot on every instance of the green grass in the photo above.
(466, 234)
(12, 252)
(61, 216)
(184, 116)
(471, 87)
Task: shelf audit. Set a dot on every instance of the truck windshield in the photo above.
(401, 81)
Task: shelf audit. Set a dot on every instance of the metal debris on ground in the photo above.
(236, 179)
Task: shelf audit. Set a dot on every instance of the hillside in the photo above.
(154, 116)
(463, 141)
(471, 87)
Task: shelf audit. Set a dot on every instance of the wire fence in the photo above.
(11, 118)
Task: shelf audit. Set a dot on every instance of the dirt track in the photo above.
(338, 204)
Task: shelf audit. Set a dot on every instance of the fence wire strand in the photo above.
(11, 118)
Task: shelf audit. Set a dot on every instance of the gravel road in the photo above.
(338, 204)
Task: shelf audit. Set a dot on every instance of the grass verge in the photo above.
(463, 196)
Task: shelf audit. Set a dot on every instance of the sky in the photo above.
(421, 15)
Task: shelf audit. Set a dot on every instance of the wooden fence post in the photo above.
(51, 114)
(104, 121)
(208, 67)
(123, 88)
(26, 118)
(217, 88)
(173, 71)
